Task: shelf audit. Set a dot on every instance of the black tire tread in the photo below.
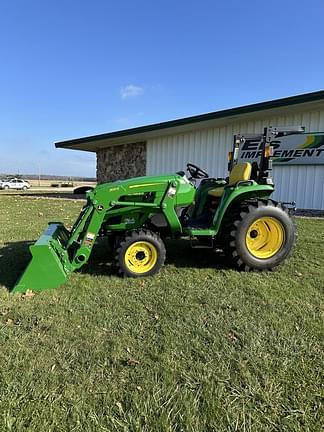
(132, 236)
(232, 225)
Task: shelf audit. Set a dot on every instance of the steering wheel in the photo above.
(196, 172)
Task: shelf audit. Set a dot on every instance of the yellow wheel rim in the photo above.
(141, 257)
(265, 237)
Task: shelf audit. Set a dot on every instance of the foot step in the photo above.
(196, 244)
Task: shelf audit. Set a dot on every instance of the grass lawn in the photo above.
(199, 347)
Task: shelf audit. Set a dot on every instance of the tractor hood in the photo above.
(185, 191)
(143, 181)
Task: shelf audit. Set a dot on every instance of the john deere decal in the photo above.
(303, 149)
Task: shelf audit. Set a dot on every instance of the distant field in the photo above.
(197, 348)
(48, 183)
(47, 186)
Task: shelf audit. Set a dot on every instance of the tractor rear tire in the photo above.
(261, 236)
(139, 253)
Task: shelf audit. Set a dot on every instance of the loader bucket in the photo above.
(50, 265)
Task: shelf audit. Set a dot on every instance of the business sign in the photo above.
(298, 149)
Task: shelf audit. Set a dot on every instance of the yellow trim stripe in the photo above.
(145, 184)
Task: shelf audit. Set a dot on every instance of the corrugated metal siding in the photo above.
(208, 148)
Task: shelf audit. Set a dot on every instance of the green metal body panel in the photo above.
(118, 207)
(239, 193)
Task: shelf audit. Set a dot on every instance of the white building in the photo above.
(205, 141)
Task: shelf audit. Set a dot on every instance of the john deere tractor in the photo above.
(235, 214)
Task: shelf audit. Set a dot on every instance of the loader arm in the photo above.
(58, 251)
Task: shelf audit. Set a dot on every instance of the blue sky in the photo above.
(75, 68)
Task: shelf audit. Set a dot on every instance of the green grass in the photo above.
(199, 347)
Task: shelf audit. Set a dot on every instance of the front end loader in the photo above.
(235, 214)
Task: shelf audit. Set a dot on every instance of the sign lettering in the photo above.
(299, 149)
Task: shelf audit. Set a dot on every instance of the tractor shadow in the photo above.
(100, 261)
(14, 257)
(178, 253)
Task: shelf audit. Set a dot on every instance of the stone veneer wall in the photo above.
(121, 162)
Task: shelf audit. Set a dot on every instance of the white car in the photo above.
(15, 184)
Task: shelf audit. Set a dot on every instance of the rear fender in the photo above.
(238, 193)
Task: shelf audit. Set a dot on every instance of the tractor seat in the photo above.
(240, 172)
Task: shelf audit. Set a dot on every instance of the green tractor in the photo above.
(233, 214)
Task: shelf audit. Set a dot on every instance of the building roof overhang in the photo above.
(307, 101)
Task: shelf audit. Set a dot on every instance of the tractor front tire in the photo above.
(139, 253)
(261, 237)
